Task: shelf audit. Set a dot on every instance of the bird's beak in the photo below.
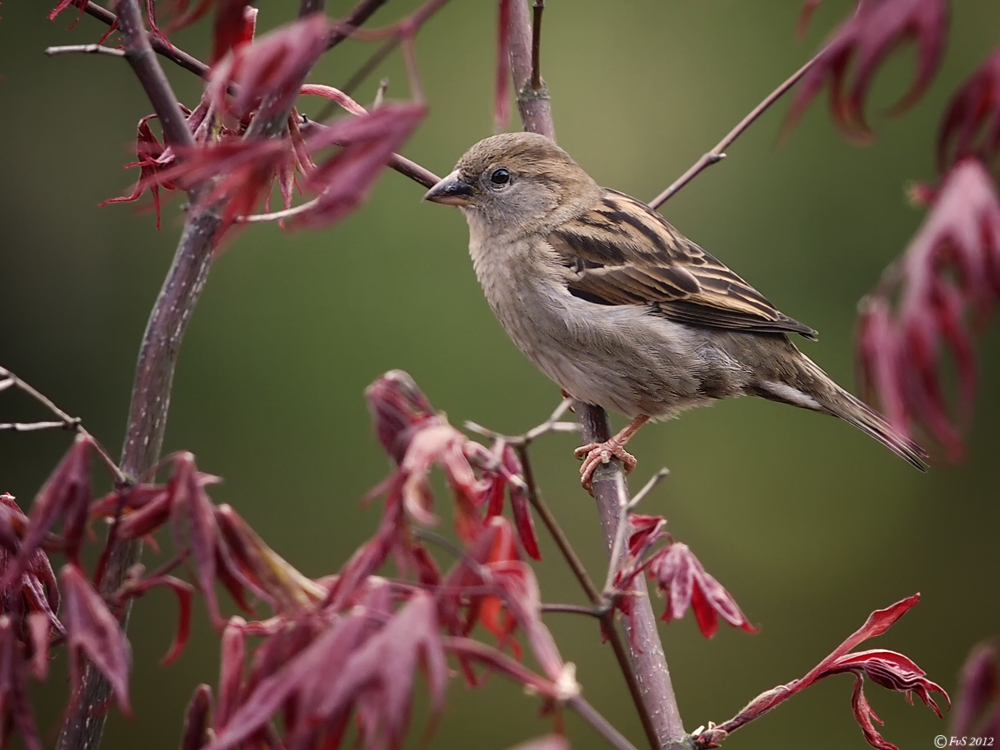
(451, 190)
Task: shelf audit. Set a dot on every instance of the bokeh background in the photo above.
(807, 522)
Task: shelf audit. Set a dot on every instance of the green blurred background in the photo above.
(807, 522)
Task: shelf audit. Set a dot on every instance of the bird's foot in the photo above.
(595, 454)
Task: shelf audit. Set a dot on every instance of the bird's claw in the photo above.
(595, 454)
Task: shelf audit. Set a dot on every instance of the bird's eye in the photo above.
(500, 177)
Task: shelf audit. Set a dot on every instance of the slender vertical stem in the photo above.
(147, 420)
(656, 702)
(648, 660)
(536, 44)
(533, 102)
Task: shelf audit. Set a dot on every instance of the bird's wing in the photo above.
(622, 252)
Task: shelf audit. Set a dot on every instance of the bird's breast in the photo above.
(619, 357)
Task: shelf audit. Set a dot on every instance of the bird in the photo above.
(619, 308)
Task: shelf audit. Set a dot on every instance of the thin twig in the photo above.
(617, 555)
(590, 714)
(572, 609)
(88, 49)
(552, 424)
(287, 213)
(139, 54)
(532, 102)
(536, 43)
(558, 535)
(354, 20)
(65, 421)
(717, 154)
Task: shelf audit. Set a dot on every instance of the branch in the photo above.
(65, 421)
(88, 49)
(139, 54)
(84, 723)
(532, 101)
(536, 45)
(717, 154)
(657, 704)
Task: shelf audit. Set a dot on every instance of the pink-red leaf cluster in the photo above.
(858, 48)
(971, 123)
(947, 282)
(680, 578)
(889, 669)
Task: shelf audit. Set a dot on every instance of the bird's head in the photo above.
(515, 183)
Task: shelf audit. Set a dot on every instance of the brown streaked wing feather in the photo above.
(622, 252)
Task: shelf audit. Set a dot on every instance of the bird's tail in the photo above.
(811, 388)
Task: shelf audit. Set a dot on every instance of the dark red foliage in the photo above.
(268, 73)
(198, 720)
(977, 708)
(353, 664)
(91, 629)
(343, 181)
(947, 281)
(399, 409)
(971, 123)
(65, 499)
(681, 578)
(864, 41)
(152, 158)
(418, 438)
(889, 669)
(135, 588)
(15, 706)
(235, 23)
(36, 591)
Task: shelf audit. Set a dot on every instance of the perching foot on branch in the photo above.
(595, 454)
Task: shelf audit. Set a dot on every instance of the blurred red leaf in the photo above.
(133, 589)
(685, 583)
(149, 153)
(866, 39)
(65, 497)
(268, 71)
(949, 273)
(15, 706)
(198, 720)
(92, 630)
(231, 660)
(343, 181)
(977, 708)
(36, 592)
(235, 23)
(973, 113)
(519, 503)
(399, 409)
(193, 520)
(346, 668)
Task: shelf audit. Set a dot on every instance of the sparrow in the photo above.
(620, 309)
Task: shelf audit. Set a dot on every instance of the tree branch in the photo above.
(139, 54)
(532, 102)
(657, 704)
(717, 154)
(65, 421)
